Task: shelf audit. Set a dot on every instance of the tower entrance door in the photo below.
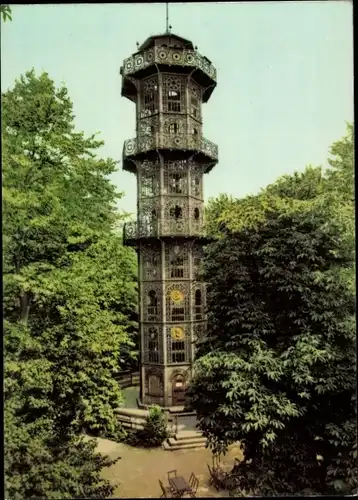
(178, 390)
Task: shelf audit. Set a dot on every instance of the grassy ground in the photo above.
(139, 470)
(130, 396)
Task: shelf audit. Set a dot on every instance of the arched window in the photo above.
(198, 305)
(152, 306)
(195, 132)
(196, 213)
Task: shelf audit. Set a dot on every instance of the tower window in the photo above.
(152, 306)
(150, 100)
(174, 101)
(196, 213)
(177, 266)
(173, 128)
(178, 351)
(198, 305)
(176, 183)
(177, 314)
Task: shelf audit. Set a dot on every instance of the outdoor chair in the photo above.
(214, 480)
(192, 479)
(172, 473)
(166, 490)
(194, 487)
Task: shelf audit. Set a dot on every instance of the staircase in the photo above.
(185, 440)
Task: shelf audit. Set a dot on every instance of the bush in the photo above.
(154, 432)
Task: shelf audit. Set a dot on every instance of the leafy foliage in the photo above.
(277, 368)
(69, 295)
(5, 12)
(154, 432)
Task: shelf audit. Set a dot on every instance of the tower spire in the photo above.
(167, 16)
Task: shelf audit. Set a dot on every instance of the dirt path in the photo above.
(139, 470)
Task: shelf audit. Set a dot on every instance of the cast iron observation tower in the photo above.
(168, 80)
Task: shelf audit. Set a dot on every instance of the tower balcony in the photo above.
(139, 145)
(134, 231)
(146, 61)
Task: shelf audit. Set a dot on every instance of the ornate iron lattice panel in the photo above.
(149, 179)
(152, 302)
(153, 344)
(197, 258)
(174, 126)
(198, 301)
(169, 56)
(176, 177)
(196, 215)
(149, 103)
(176, 260)
(173, 93)
(195, 99)
(135, 146)
(178, 344)
(148, 126)
(196, 181)
(177, 302)
(149, 216)
(151, 263)
(176, 215)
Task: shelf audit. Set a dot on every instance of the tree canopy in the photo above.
(277, 368)
(69, 295)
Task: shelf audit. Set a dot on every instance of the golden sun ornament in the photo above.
(177, 333)
(177, 296)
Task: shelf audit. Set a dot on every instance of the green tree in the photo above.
(277, 369)
(69, 294)
(5, 12)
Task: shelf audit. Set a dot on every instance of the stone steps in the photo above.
(185, 440)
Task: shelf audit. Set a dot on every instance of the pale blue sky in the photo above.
(285, 77)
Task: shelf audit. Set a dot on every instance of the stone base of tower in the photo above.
(164, 386)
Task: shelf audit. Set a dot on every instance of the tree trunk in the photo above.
(25, 302)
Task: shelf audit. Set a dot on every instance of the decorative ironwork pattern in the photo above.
(173, 92)
(178, 349)
(195, 100)
(170, 56)
(198, 301)
(148, 126)
(197, 257)
(153, 339)
(136, 146)
(177, 310)
(149, 179)
(163, 227)
(176, 177)
(150, 258)
(152, 302)
(149, 102)
(196, 181)
(176, 260)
